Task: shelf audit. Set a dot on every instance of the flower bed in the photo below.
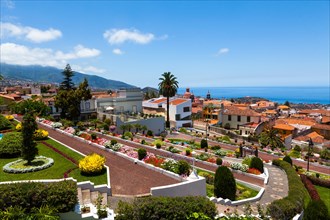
(20, 166)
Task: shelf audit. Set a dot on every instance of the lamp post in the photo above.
(310, 146)
(207, 124)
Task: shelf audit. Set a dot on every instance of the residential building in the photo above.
(322, 129)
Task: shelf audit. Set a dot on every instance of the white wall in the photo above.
(233, 123)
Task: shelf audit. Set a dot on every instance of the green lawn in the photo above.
(325, 195)
(61, 165)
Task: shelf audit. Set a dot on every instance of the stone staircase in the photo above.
(86, 196)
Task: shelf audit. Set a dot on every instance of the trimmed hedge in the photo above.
(319, 182)
(257, 163)
(224, 183)
(204, 143)
(310, 187)
(60, 195)
(142, 153)
(183, 167)
(219, 161)
(316, 210)
(293, 204)
(11, 145)
(4, 123)
(154, 208)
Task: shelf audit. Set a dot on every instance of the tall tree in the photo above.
(29, 125)
(67, 83)
(270, 137)
(168, 87)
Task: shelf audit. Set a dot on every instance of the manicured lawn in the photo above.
(61, 165)
(325, 195)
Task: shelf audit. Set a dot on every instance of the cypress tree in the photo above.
(29, 125)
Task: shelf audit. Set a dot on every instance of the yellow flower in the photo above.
(19, 127)
(40, 134)
(10, 117)
(93, 163)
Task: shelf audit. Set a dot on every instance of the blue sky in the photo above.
(215, 43)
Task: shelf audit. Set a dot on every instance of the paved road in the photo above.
(126, 177)
(263, 155)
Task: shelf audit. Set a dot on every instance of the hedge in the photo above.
(4, 123)
(224, 183)
(257, 163)
(11, 145)
(319, 182)
(288, 159)
(60, 195)
(293, 204)
(316, 210)
(310, 187)
(154, 208)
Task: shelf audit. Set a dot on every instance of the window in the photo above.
(248, 119)
(246, 132)
(186, 109)
(134, 108)
(177, 117)
(229, 117)
(87, 105)
(238, 118)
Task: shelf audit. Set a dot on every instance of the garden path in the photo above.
(126, 177)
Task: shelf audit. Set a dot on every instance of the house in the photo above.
(322, 129)
(250, 129)
(316, 138)
(179, 110)
(285, 129)
(232, 117)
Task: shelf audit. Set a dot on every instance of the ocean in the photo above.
(310, 95)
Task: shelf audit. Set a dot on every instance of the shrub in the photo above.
(216, 147)
(227, 126)
(183, 130)
(173, 150)
(59, 195)
(247, 160)
(142, 153)
(202, 156)
(257, 163)
(158, 146)
(170, 165)
(204, 143)
(128, 135)
(183, 167)
(4, 123)
(289, 206)
(40, 134)
(208, 177)
(310, 187)
(220, 153)
(159, 142)
(178, 208)
(113, 142)
(319, 182)
(188, 151)
(143, 141)
(316, 209)
(149, 133)
(219, 161)
(297, 148)
(239, 166)
(93, 136)
(11, 145)
(288, 159)
(92, 164)
(19, 127)
(325, 154)
(224, 183)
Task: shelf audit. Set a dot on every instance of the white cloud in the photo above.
(28, 33)
(8, 4)
(117, 51)
(21, 55)
(222, 51)
(88, 69)
(118, 36)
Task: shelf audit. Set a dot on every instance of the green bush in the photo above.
(224, 183)
(316, 209)
(188, 151)
(247, 160)
(219, 161)
(59, 195)
(142, 153)
(287, 159)
(149, 133)
(4, 123)
(11, 145)
(208, 177)
(93, 136)
(183, 167)
(293, 204)
(128, 134)
(143, 141)
(204, 143)
(158, 145)
(178, 208)
(257, 163)
(113, 142)
(297, 148)
(325, 154)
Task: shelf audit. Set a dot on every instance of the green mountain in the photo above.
(54, 75)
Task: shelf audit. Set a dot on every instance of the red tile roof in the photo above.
(232, 110)
(321, 126)
(159, 100)
(178, 101)
(284, 127)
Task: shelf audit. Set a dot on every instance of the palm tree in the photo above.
(144, 128)
(168, 87)
(271, 137)
(123, 127)
(137, 127)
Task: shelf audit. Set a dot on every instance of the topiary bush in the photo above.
(4, 123)
(219, 161)
(92, 164)
(59, 195)
(143, 141)
(224, 183)
(149, 133)
(288, 159)
(257, 163)
(11, 145)
(158, 145)
(142, 153)
(178, 208)
(204, 143)
(316, 209)
(297, 148)
(183, 167)
(113, 142)
(128, 135)
(188, 151)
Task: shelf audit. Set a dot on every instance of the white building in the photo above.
(179, 110)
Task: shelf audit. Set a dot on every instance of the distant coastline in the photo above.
(278, 94)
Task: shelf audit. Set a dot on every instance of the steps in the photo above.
(86, 196)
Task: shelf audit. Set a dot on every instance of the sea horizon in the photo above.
(280, 94)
